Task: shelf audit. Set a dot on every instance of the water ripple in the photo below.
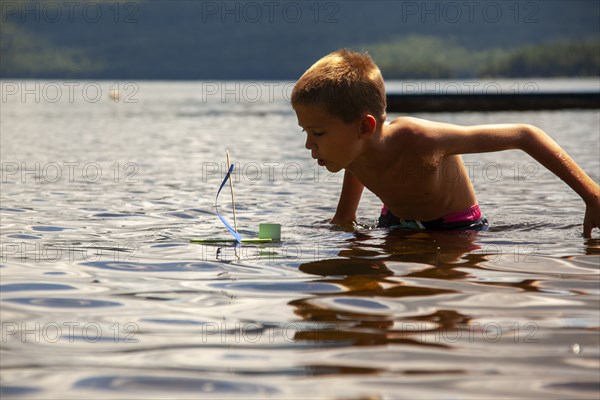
(161, 384)
(62, 302)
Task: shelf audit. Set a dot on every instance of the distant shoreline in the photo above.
(492, 102)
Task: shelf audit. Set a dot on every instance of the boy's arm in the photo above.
(451, 139)
(352, 190)
(545, 150)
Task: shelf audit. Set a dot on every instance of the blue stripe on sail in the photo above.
(236, 235)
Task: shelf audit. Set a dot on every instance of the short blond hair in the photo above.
(347, 84)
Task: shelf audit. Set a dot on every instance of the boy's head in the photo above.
(346, 84)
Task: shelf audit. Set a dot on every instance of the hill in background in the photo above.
(280, 39)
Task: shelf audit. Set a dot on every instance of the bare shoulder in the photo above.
(410, 130)
(424, 126)
(406, 121)
(442, 139)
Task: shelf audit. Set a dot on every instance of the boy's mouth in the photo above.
(320, 161)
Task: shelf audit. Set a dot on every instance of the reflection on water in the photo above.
(103, 296)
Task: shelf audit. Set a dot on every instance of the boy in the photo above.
(413, 165)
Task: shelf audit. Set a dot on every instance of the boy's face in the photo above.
(331, 141)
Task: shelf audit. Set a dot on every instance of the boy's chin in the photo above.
(333, 168)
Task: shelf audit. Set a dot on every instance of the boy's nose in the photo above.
(309, 143)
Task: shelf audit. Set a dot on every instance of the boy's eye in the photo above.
(315, 133)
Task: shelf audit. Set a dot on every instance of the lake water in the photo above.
(103, 295)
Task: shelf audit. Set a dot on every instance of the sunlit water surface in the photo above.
(103, 295)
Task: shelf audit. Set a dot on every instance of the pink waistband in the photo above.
(472, 213)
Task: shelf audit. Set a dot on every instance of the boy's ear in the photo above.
(368, 125)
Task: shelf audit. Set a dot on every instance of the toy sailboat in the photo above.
(266, 232)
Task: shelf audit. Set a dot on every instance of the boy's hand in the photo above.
(592, 217)
(343, 224)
